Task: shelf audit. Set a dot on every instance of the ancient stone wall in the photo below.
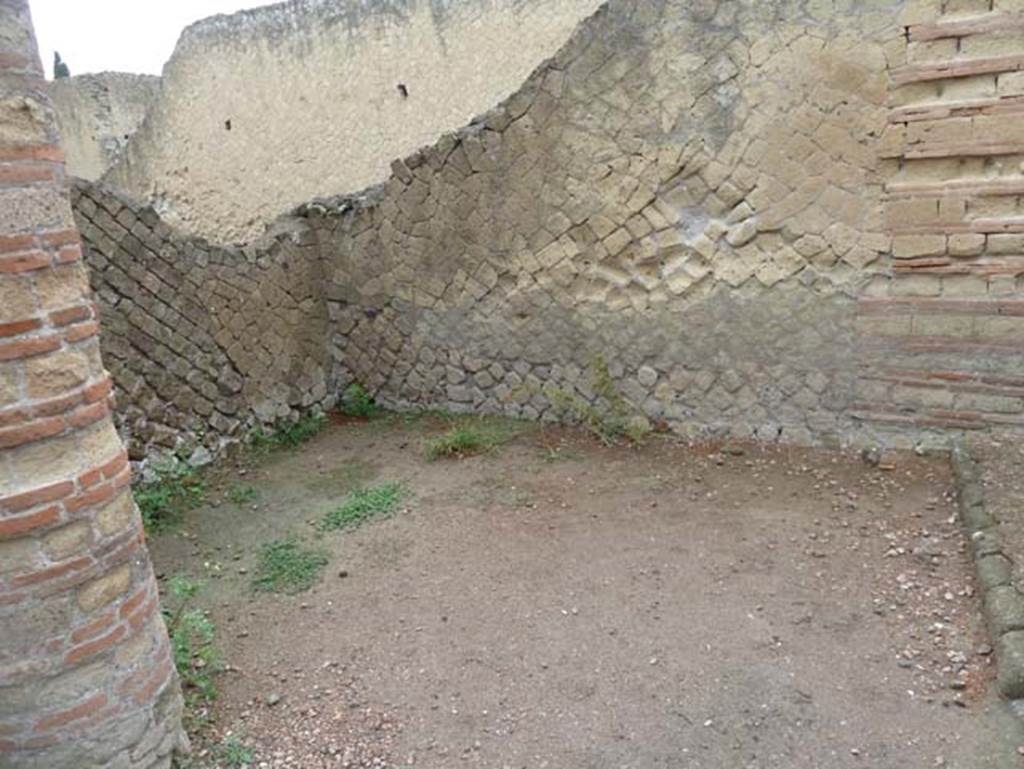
(265, 109)
(692, 191)
(86, 676)
(944, 340)
(774, 220)
(203, 342)
(96, 115)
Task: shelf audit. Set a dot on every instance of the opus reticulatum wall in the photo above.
(785, 220)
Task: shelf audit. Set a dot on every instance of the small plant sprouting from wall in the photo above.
(357, 402)
(293, 434)
(164, 500)
(287, 435)
(610, 417)
(196, 656)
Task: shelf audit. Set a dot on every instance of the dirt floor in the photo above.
(556, 603)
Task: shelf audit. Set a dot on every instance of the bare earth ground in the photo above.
(555, 603)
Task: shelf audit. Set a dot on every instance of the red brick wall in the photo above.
(86, 678)
(944, 339)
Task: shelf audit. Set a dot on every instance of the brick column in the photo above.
(86, 678)
(946, 336)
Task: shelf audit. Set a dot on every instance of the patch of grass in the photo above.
(286, 566)
(243, 493)
(163, 501)
(458, 442)
(287, 434)
(471, 436)
(357, 402)
(362, 505)
(260, 440)
(300, 431)
(232, 752)
(196, 656)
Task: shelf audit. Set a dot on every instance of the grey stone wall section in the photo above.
(203, 342)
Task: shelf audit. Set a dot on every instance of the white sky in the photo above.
(122, 35)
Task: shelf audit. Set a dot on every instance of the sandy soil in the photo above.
(556, 603)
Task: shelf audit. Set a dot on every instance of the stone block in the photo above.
(19, 555)
(105, 589)
(67, 540)
(116, 515)
(1011, 84)
(966, 244)
(1010, 665)
(917, 285)
(911, 246)
(47, 376)
(994, 570)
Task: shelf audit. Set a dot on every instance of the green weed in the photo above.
(300, 431)
(363, 504)
(288, 434)
(457, 442)
(243, 493)
(610, 417)
(260, 440)
(232, 752)
(196, 656)
(163, 501)
(286, 566)
(471, 436)
(357, 402)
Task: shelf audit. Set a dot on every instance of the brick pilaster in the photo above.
(944, 342)
(86, 678)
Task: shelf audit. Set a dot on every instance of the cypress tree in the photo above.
(60, 69)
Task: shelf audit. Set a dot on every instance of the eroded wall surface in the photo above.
(267, 108)
(97, 114)
(87, 679)
(777, 220)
